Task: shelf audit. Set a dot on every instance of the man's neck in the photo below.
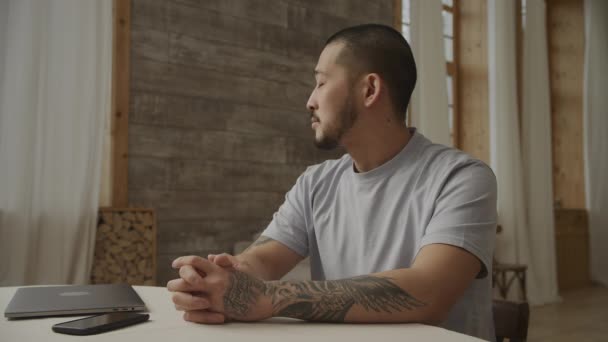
(378, 147)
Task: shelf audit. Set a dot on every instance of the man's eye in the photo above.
(320, 85)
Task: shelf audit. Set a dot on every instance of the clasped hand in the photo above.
(215, 291)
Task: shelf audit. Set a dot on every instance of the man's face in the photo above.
(331, 103)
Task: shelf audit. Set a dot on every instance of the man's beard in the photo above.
(330, 138)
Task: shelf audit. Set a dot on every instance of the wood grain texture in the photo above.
(398, 15)
(193, 205)
(472, 94)
(572, 249)
(215, 235)
(565, 29)
(177, 111)
(363, 10)
(120, 101)
(260, 11)
(455, 73)
(175, 79)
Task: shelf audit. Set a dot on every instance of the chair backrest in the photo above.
(511, 320)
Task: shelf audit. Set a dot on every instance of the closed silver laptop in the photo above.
(73, 300)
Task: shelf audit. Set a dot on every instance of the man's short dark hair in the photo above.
(380, 49)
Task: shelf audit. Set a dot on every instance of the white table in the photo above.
(166, 325)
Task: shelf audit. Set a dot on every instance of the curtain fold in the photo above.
(429, 103)
(595, 105)
(537, 156)
(55, 96)
(512, 245)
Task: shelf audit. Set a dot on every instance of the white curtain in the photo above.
(513, 244)
(596, 139)
(55, 95)
(429, 104)
(536, 153)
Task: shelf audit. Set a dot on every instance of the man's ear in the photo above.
(372, 87)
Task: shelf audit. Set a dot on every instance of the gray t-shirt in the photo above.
(352, 224)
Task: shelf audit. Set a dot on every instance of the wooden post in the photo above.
(473, 108)
(455, 78)
(519, 45)
(566, 43)
(397, 17)
(120, 101)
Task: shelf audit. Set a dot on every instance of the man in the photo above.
(397, 230)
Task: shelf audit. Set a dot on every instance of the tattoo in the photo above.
(262, 240)
(242, 293)
(332, 300)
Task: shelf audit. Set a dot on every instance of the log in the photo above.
(125, 247)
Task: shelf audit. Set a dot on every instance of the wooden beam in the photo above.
(120, 101)
(398, 25)
(566, 48)
(397, 14)
(472, 52)
(454, 73)
(519, 40)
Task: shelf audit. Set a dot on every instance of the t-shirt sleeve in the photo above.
(465, 213)
(290, 223)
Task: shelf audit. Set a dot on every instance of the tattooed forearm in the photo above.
(332, 300)
(242, 293)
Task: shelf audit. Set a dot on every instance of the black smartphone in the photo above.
(100, 323)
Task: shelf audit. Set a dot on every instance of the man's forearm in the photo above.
(253, 265)
(370, 299)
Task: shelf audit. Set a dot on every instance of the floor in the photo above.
(582, 316)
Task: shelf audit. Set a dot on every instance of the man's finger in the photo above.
(211, 257)
(181, 285)
(226, 260)
(191, 276)
(187, 301)
(204, 317)
(197, 262)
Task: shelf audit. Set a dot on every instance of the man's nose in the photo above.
(311, 104)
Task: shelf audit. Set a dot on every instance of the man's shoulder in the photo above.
(437, 158)
(439, 165)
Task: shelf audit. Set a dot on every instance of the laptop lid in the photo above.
(73, 300)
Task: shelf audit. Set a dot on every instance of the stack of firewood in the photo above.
(125, 247)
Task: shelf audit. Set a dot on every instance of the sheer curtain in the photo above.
(512, 245)
(55, 93)
(596, 140)
(429, 104)
(536, 153)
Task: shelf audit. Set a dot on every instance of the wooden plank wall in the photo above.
(473, 126)
(120, 102)
(218, 128)
(565, 29)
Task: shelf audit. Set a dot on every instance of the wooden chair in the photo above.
(511, 320)
(504, 275)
